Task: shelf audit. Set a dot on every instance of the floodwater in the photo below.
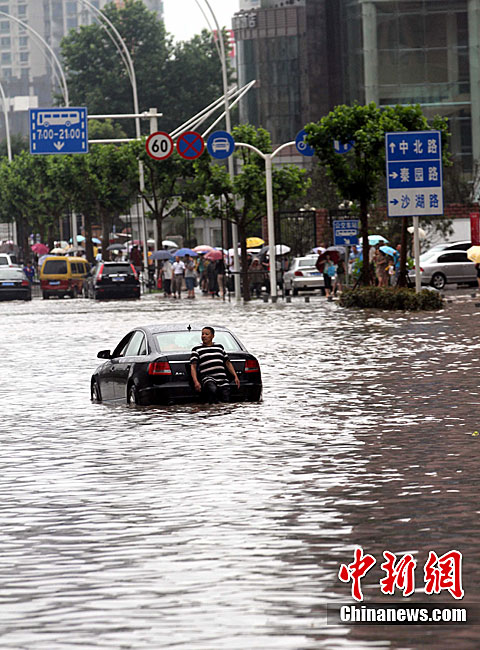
(223, 527)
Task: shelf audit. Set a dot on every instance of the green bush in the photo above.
(391, 298)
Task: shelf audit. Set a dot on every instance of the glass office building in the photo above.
(387, 51)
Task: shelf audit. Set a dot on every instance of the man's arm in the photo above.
(196, 383)
(231, 369)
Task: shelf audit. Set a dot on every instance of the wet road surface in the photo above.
(223, 527)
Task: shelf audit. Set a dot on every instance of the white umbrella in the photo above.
(168, 242)
(421, 232)
(58, 251)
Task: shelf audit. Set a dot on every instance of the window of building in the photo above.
(22, 11)
(7, 73)
(24, 56)
(72, 23)
(5, 42)
(4, 26)
(6, 58)
(23, 41)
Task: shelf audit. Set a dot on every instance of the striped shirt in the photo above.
(210, 362)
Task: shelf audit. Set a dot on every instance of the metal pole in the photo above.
(271, 228)
(7, 124)
(231, 172)
(416, 249)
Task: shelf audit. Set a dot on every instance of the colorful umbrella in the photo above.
(373, 240)
(214, 255)
(388, 250)
(254, 242)
(185, 251)
(40, 249)
(203, 248)
(473, 253)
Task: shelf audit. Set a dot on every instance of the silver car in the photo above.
(439, 268)
(303, 275)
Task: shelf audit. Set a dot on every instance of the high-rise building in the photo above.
(310, 55)
(27, 72)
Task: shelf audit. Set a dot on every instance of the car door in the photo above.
(132, 353)
(453, 265)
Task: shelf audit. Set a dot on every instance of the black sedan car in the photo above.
(112, 280)
(14, 284)
(151, 365)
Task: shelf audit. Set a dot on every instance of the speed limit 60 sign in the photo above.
(159, 145)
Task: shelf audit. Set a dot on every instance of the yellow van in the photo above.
(63, 276)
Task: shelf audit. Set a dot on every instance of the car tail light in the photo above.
(251, 365)
(159, 368)
(99, 276)
(299, 273)
(25, 283)
(413, 269)
(134, 271)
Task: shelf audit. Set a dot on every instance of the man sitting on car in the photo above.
(208, 363)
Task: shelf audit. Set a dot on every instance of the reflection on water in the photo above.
(223, 527)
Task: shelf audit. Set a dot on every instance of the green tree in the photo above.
(179, 79)
(245, 199)
(358, 174)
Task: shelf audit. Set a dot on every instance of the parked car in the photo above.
(439, 268)
(303, 275)
(113, 280)
(8, 259)
(63, 276)
(14, 284)
(151, 365)
(462, 245)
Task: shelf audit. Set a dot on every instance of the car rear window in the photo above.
(309, 261)
(114, 269)
(453, 257)
(8, 273)
(185, 341)
(55, 267)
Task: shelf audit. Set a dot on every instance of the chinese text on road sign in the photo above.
(414, 173)
(345, 232)
(58, 130)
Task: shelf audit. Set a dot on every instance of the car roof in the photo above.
(180, 327)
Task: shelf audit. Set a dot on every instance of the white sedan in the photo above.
(303, 275)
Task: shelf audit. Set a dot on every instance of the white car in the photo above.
(8, 259)
(439, 268)
(303, 275)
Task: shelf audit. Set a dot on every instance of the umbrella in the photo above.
(254, 242)
(373, 240)
(170, 244)
(214, 255)
(318, 250)
(336, 249)
(388, 250)
(473, 253)
(116, 247)
(421, 232)
(333, 254)
(40, 249)
(58, 251)
(280, 249)
(203, 248)
(185, 251)
(95, 240)
(161, 255)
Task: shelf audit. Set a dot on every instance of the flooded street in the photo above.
(223, 527)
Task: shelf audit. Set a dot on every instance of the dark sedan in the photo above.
(113, 280)
(151, 365)
(14, 284)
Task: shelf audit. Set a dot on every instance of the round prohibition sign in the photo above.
(159, 145)
(190, 145)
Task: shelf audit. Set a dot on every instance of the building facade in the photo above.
(310, 55)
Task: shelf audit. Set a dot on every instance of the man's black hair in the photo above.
(207, 327)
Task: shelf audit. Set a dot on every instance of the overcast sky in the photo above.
(183, 18)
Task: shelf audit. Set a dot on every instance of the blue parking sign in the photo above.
(58, 130)
(414, 173)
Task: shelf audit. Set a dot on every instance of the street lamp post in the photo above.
(63, 82)
(223, 61)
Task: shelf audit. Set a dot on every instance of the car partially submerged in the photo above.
(151, 365)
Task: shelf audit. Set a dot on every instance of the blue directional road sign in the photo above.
(345, 232)
(414, 173)
(58, 130)
(220, 144)
(301, 144)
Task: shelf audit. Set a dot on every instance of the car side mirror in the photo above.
(104, 354)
